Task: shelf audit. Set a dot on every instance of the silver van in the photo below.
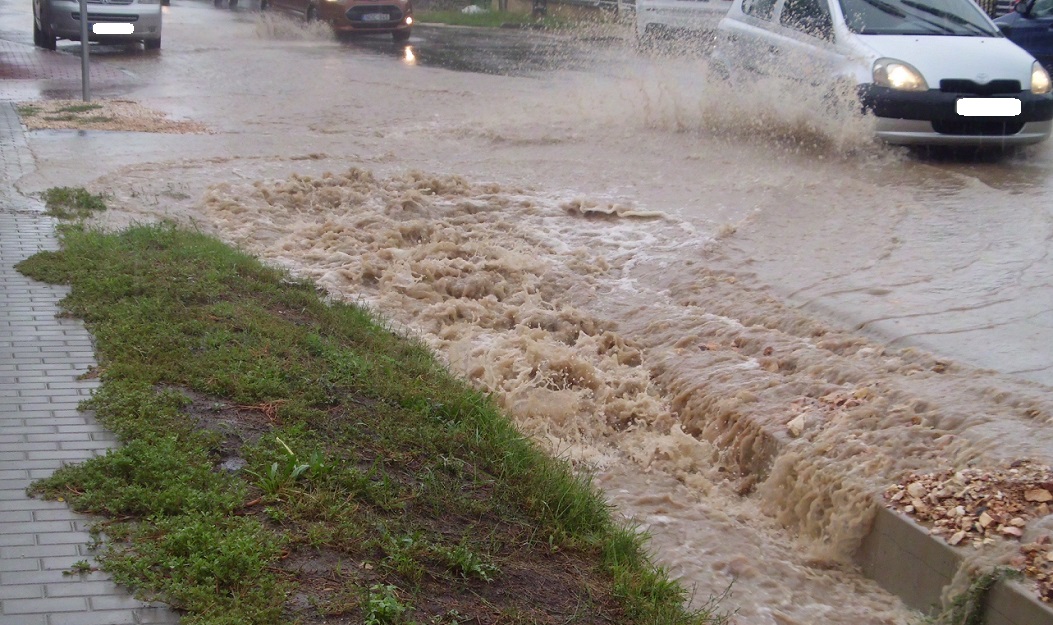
(109, 21)
(656, 19)
(935, 72)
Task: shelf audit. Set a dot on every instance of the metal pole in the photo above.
(86, 87)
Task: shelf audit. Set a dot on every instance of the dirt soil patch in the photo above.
(331, 576)
(121, 115)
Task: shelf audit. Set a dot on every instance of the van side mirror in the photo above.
(1021, 7)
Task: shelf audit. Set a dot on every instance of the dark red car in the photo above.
(355, 16)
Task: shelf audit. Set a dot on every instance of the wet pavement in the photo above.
(29, 73)
(791, 260)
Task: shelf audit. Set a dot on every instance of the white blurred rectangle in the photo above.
(113, 29)
(988, 107)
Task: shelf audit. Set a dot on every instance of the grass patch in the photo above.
(492, 19)
(288, 460)
(72, 203)
(28, 110)
(97, 119)
(71, 117)
(79, 108)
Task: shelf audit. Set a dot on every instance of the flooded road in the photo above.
(746, 319)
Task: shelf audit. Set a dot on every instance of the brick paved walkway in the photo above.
(21, 62)
(26, 72)
(41, 357)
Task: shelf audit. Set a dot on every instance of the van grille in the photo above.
(102, 17)
(958, 85)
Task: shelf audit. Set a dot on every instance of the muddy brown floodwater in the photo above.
(744, 317)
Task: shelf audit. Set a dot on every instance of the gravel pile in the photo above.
(977, 507)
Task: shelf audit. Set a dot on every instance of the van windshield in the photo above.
(917, 17)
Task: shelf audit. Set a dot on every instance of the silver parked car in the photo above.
(109, 21)
(936, 72)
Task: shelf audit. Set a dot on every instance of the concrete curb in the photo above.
(907, 561)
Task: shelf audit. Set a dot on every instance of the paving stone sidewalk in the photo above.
(27, 73)
(41, 358)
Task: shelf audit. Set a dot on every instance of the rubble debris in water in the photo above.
(976, 507)
(1038, 565)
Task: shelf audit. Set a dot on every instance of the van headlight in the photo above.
(1039, 79)
(898, 75)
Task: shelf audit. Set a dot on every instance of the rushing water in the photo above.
(742, 315)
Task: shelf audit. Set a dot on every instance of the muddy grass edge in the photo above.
(212, 542)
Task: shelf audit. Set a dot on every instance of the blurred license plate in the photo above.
(375, 17)
(988, 107)
(112, 29)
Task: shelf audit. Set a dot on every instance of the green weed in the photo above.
(213, 565)
(79, 567)
(72, 203)
(967, 608)
(466, 562)
(145, 478)
(383, 606)
(278, 477)
(403, 553)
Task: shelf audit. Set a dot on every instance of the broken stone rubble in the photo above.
(977, 507)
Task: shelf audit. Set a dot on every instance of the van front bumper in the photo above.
(931, 118)
(144, 18)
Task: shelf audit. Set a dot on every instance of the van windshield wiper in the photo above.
(950, 17)
(886, 7)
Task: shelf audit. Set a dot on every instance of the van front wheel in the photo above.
(48, 38)
(42, 36)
